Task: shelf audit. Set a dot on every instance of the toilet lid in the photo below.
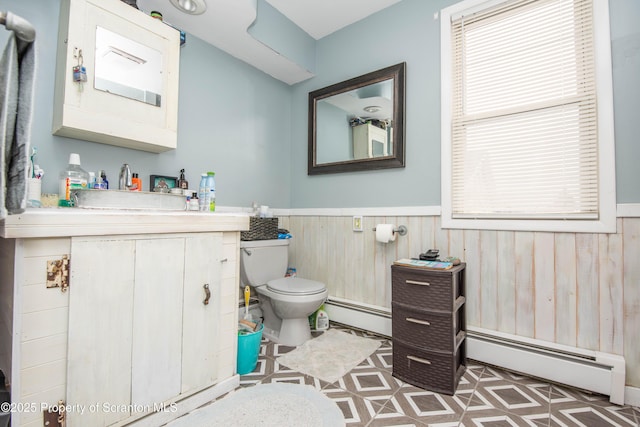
(295, 286)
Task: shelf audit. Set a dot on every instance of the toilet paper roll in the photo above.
(384, 233)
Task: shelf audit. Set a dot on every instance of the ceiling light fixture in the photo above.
(192, 7)
(372, 109)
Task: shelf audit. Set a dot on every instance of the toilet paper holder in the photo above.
(401, 230)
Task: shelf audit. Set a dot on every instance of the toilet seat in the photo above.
(295, 286)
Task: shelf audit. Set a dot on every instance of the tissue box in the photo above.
(261, 229)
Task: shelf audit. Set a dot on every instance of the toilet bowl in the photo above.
(286, 302)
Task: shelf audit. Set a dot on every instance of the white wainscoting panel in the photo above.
(575, 289)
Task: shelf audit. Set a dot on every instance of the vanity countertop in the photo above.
(65, 222)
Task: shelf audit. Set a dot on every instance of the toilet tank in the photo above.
(263, 260)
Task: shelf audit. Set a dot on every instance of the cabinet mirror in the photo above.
(358, 124)
(127, 68)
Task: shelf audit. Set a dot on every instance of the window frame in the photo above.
(606, 221)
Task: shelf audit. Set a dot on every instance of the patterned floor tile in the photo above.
(369, 395)
(264, 368)
(380, 359)
(357, 410)
(494, 418)
(369, 383)
(579, 413)
(502, 392)
(294, 378)
(428, 407)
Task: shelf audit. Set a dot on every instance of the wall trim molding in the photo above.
(628, 210)
(623, 210)
(373, 211)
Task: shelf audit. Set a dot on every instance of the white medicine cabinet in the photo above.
(117, 76)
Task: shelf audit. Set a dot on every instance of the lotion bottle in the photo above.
(203, 193)
(182, 181)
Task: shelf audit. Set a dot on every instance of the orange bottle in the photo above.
(136, 183)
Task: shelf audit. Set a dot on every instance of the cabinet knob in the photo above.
(207, 294)
(224, 260)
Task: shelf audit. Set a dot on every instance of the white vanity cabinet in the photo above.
(132, 61)
(131, 340)
(137, 320)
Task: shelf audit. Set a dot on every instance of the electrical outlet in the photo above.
(357, 223)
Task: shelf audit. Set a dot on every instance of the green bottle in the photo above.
(211, 183)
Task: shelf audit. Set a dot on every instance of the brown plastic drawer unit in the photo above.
(428, 326)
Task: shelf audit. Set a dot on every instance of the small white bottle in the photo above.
(193, 202)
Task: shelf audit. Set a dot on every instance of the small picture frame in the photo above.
(161, 183)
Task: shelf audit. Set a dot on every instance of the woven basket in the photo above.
(261, 229)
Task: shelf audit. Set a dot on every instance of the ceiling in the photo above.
(225, 24)
(319, 18)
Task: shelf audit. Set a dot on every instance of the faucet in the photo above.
(124, 182)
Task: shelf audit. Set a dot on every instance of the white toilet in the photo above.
(286, 302)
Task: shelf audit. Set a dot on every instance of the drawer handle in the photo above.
(419, 360)
(414, 282)
(418, 321)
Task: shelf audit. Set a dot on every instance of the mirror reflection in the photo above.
(363, 117)
(127, 68)
(358, 124)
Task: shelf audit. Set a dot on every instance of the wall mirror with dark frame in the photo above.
(358, 124)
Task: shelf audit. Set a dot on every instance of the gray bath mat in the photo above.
(330, 356)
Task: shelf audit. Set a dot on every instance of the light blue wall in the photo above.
(408, 32)
(625, 53)
(252, 129)
(233, 119)
(405, 32)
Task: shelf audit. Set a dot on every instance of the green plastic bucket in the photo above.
(248, 350)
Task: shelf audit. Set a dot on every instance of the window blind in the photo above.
(524, 123)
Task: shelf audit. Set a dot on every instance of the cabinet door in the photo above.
(157, 320)
(201, 322)
(100, 335)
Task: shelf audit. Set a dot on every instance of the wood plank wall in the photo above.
(576, 289)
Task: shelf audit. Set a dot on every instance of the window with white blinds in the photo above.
(522, 114)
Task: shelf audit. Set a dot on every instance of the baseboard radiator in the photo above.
(588, 370)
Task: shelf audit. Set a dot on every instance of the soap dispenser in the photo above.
(182, 182)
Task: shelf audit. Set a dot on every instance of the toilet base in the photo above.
(293, 332)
